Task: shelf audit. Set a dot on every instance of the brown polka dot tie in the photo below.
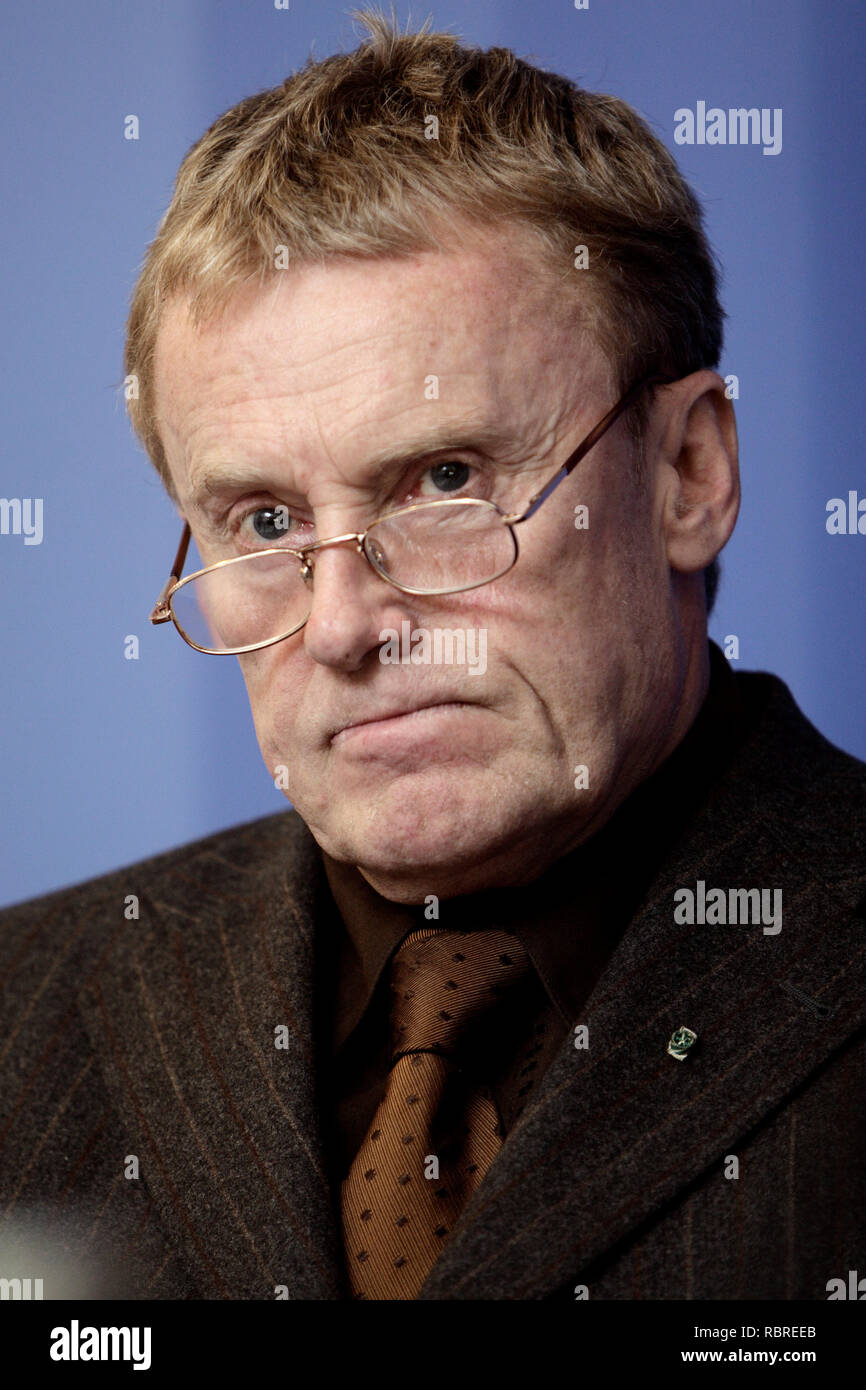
(436, 1131)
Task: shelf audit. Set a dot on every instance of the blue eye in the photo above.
(449, 476)
(268, 523)
(272, 523)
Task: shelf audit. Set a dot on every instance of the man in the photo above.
(549, 986)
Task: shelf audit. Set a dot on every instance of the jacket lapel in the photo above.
(202, 1015)
(616, 1130)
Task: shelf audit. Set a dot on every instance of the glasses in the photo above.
(442, 547)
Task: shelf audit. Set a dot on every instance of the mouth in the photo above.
(397, 717)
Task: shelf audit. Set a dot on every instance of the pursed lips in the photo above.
(396, 712)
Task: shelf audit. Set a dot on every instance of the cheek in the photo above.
(275, 682)
(583, 604)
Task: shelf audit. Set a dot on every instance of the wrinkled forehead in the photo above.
(328, 359)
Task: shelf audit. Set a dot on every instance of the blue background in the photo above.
(106, 760)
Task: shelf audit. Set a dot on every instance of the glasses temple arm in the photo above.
(160, 612)
(584, 447)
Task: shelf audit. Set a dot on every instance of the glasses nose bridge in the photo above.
(307, 552)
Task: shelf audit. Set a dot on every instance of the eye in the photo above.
(449, 476)
(272, 524)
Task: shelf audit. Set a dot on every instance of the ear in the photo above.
(699, 471)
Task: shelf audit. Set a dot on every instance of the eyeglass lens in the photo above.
(440, 548)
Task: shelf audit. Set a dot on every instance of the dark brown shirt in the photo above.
(569, 920)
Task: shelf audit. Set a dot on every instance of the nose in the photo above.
(351, 605)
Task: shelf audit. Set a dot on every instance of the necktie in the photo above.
(436, 1131)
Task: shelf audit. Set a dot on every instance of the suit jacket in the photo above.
(160, 1120)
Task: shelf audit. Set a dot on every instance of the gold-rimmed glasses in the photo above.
(442, 547)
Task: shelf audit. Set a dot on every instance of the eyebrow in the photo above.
(224, 479)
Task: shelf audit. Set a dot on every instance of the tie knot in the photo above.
(443, 980)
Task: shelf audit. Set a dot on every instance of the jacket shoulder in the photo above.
(804, 789)
(219, 862)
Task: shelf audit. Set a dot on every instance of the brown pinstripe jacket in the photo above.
(147, 1046)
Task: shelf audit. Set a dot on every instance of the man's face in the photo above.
(432, 778)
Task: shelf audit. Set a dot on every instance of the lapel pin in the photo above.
(680, 1043)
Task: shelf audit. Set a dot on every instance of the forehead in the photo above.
(325, 357)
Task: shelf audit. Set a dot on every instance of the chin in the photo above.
(417, 825)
